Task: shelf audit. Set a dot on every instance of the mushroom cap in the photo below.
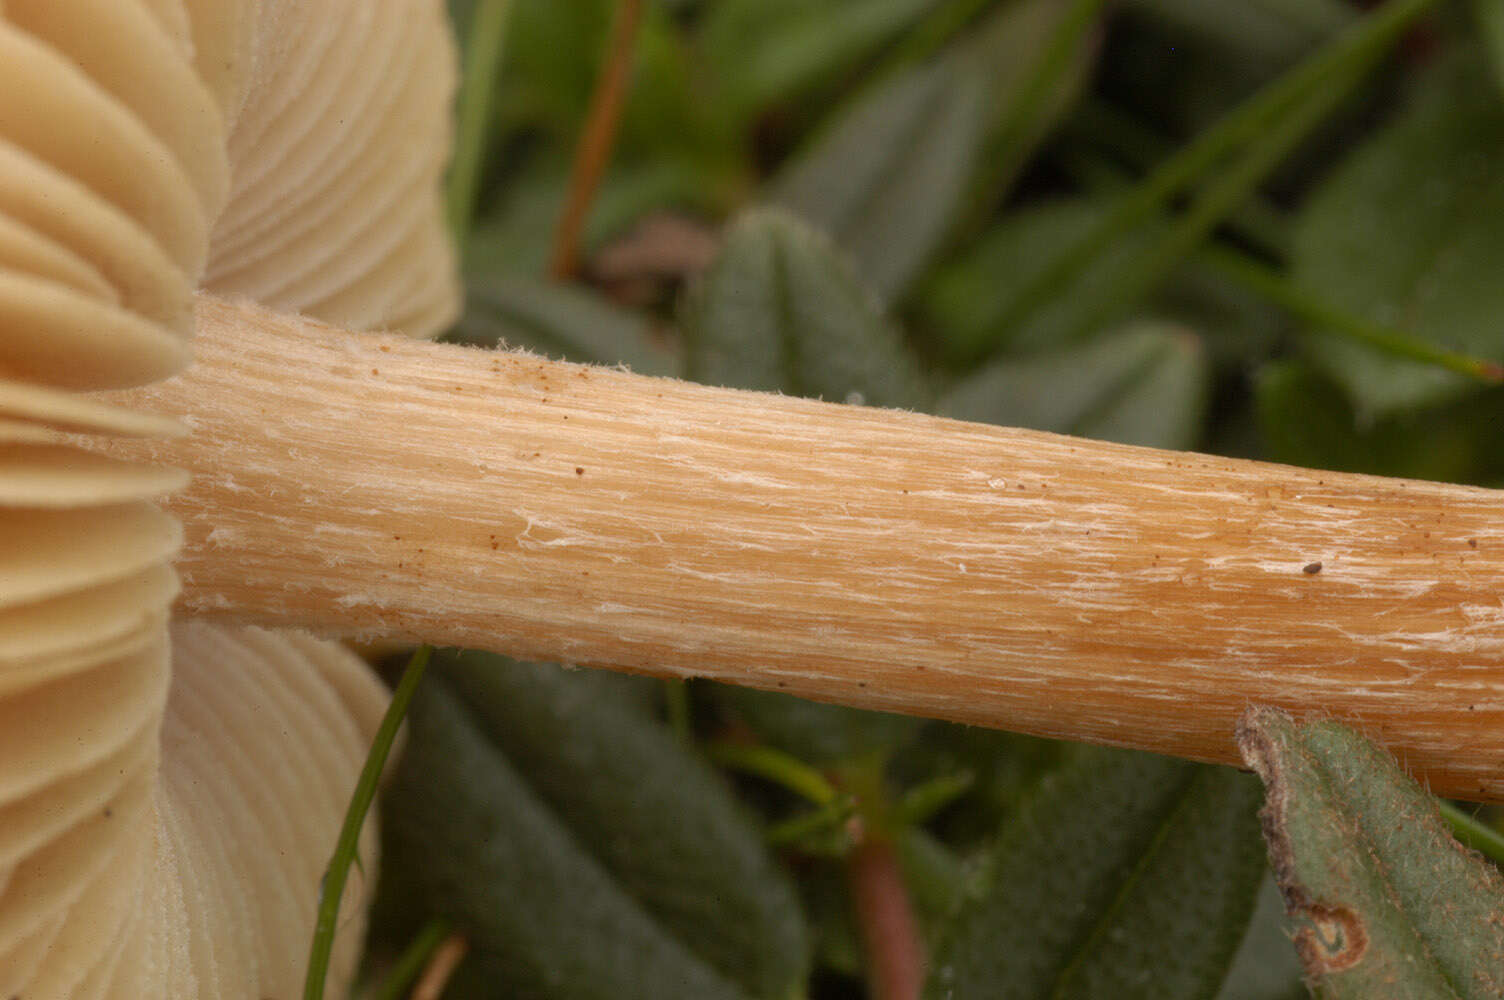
(169, 792)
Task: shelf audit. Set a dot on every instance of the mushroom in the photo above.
(156, 840)
(362, 484)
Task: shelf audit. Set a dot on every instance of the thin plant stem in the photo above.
(487, 39)
(1102, 138)
(1360, 45)
(773, 765)
(412, 960)
(1480, 837)
(890, 933)
(923, 801)
(1265, 281)
(818, 820)
(1212, 205)
(596, 141)
(333, 886)
(1272, 285)
(441, 965)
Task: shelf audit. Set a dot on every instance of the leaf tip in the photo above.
(1332, 937)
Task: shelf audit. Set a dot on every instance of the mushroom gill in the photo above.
(169, 792)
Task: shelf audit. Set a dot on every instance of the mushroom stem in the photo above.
(370, 486)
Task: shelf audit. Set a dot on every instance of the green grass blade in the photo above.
(774, 765)
(821, 820)
(1280, 290)
(486, 40)
(1316, 79)
(1480, 837)
(1215, 202)
(410, 963)
(333, 886)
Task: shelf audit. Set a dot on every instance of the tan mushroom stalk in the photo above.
(169, 795)
(876, 558)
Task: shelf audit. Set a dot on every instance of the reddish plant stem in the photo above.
(885, 918)
(596, 141)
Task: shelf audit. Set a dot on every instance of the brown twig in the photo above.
(885, 917)
(596, 140)
(441, 965)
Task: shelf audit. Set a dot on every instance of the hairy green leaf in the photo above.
(1386, 903)
(1147, 385)
(780, 310)
(1124, 875)
(473, 841)
(1405, 233)
(888, 178)
(660, 820)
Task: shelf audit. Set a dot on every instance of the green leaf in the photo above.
(800, 48)
(1491, 22)
(1261, 31)
(1125, 875)
(780, 310)
(1035, 59)
(889, 176)
(968, 301)
(1404, 233)
(1305, 419)
(650, 811)
(581, 847)
(1265, 967)
(1147, 385)
(1386, 903)
(562, 321)
(473, 841)
(552, 56)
